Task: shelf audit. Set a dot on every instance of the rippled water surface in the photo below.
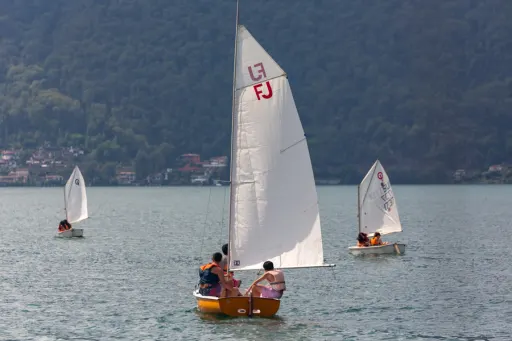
(132, 276)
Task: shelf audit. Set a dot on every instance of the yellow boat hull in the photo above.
(238, 306)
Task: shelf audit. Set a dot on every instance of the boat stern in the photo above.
(241, 306)
(207, 304)
(249, 306)
(65, 234)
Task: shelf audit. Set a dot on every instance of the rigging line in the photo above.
(294, 144)
(205, 220)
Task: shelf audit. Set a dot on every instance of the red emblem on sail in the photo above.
(261, 72)
(259, 91)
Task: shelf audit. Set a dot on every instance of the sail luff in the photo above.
(68, 192)
(65, 203)
(359, 207)
(232, 161)
(360, 200)
(369, 175)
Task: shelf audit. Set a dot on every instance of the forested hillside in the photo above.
(423, 85)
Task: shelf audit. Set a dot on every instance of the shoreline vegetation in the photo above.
(131, 84)
(49, 166)
(319, 183)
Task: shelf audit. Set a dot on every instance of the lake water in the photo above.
(132, 276)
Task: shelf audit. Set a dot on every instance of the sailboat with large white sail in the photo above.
(377, 211)
(75, 203)
(274, 211)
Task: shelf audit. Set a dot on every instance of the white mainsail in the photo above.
(378, 211)
(274, 207)
(75, 197)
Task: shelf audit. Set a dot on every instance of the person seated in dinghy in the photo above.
(62, 226)
(224, 265)
(211, 278)
(362, 239)
(68, 225)
(376, 241)
(276, 280)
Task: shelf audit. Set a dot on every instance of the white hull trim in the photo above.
(198, 295)
(213, 298)
(71, 233)
(377, 250)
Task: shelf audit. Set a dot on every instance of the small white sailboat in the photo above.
(274, 211)
(75, 203)
(377, 211)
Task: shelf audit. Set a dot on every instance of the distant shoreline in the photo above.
(199, 186)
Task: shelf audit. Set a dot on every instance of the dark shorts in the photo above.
(213, 290)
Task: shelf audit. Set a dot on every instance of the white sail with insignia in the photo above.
(378, 211)
(274, 207)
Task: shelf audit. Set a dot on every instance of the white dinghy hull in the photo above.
(377, 250)
(78, 232)
(71, 233)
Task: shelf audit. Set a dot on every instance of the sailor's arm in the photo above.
(223, 282)
(261, 279)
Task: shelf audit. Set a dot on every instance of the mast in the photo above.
(65, 203)
(233, 127)
(359, 207)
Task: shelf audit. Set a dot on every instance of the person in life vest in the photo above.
(376, 241)
(362, 239)
(211, 278)
(67, 224)
(224, 265)
(62, 226)
(275, 278)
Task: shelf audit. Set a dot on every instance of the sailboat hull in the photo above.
(237, 306)
(71, 233)
(377, 250)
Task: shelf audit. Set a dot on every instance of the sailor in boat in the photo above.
(376, 241)
(68, 225)
(211, 278)
(64, 226)
(362, 240)
(224, 265)
(274, 277)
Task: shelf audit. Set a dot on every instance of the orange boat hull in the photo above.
(238, 306)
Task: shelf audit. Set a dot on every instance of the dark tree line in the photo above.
(425, 86)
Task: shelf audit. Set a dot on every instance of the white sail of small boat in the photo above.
(274, 205)
(274, 211)
(377, 210)
(75, 202)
